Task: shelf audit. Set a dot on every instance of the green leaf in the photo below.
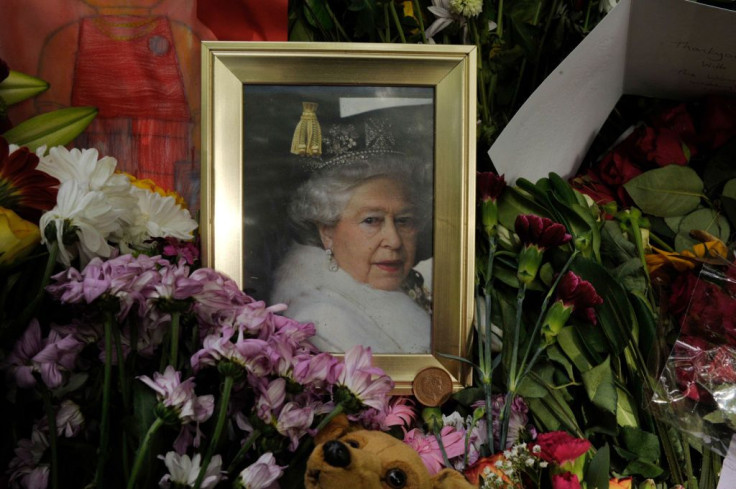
(596, 475)
(599, 385)
(55, 128)
(645, 445)
(514, 202)
(720, 168)
(469, 395)
(316, 13)
(19, 86)
(669, 191)
(555, 354)
(644, 469)
(703, 220)
(535, 386)
(573, 348)
(625, 410)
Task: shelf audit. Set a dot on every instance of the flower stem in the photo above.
(418, 16)
(252, 438)
(143, 450)
(51, 418)
(174, 347)
(487, 359)
(513, 380)
(441, 445)
(106, 390)
(335, 411)
(395, 16)
(221, 418)
(22, 320)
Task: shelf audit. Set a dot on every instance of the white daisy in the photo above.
(183, 471)
(160, 217)
(89, 216)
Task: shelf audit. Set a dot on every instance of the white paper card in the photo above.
(662, 48)
(728, 471)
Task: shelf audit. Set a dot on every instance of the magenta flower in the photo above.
(25, 468)
(579, 294)
(541, 232)
(319, 370)
(178, 249)
(270, 399)
(69, 419)
(537, 234)
(518, 419)
(253, 355)
(176, 284)
(490, 187)
(294, 421)
(362, 383)
(50, 358)
(179, 397)
(428, 448)
(573, 295)
(401, 412)
(261, 474)
(220, 300)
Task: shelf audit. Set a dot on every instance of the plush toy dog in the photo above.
(344, 458)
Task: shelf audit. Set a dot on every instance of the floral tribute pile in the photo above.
(671, 174)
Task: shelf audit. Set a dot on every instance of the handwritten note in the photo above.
(659, 48)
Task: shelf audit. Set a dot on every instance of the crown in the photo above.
(340, 144)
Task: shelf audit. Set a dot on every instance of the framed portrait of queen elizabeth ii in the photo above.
(338, 181)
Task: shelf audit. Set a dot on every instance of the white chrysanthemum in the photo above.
(183, 471)
(92, 174)
(159, 217)
(444, 17)
(466, 8)
(91, 216)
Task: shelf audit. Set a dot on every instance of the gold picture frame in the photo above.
(229, 68)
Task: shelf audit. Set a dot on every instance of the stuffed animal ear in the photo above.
(338, 426)
(450, 479)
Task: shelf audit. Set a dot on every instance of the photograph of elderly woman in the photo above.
(338, 207)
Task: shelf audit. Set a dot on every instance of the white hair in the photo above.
(322, 199)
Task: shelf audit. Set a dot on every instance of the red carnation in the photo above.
(718, 121)
(542, 232)
(559, 447)
(567, 480)
(489, 185)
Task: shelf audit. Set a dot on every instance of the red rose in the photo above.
(678, 120)
(565, 481)
(591, 185)
(661, 146)
(616, 168)
(559, 447)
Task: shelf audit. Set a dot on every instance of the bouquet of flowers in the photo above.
(126, 364)
(670, 172)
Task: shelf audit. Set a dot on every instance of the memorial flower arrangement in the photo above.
(127, 364)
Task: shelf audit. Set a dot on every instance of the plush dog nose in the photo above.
(336, 453)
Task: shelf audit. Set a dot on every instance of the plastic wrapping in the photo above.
(697, 388)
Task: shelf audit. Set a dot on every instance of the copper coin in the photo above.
(432, 386)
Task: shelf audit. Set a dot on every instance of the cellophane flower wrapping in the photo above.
(697, 387)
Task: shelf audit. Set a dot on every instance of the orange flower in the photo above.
(687, 259)
(475, 472)
(623, 483)
(151, 185)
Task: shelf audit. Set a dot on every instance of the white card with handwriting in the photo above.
(660, 48)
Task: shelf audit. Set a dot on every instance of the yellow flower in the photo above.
(18, 237)
(623, 483)
(688, 258)
(151, 186)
